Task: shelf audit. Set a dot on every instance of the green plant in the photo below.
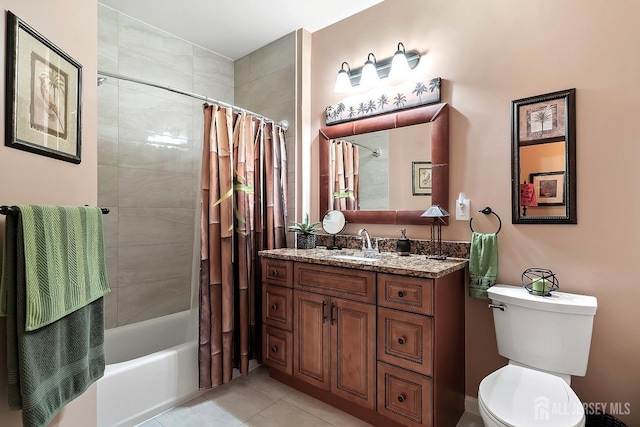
(304, 227)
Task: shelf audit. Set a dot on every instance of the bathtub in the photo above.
(151, 366)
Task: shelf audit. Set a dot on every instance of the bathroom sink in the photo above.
(355, 258)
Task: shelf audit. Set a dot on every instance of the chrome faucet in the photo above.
(366, 241)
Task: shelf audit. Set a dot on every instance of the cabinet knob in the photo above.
(274, 307)
(401, 397)
(274, 349)
(274, 273)
(400, 294)
(402, 340)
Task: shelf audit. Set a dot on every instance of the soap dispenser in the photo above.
(404, 244)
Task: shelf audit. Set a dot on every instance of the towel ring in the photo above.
(487, 211)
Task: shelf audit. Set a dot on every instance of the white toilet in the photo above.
(546, 340)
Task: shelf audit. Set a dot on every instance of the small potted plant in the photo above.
(305, 233)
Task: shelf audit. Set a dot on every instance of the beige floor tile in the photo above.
(323, 410)
(284, 414)
(260, 378)
(150, 423)
(197, 412)
(240, 399)
(470, 420)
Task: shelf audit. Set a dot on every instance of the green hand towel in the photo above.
(64, 261)
(483, 264)
(50, 366)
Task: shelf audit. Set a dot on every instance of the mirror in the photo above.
(333, 223)
(543, 152)
(437, 116)
(384, 163)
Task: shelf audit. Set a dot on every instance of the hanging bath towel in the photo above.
(483, 264)
(55, 324)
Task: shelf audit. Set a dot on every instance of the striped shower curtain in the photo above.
(244, 173)
(344, 180)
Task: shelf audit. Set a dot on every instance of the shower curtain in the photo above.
(345, 176)
(244, 173)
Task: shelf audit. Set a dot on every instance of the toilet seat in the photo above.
(515, 396)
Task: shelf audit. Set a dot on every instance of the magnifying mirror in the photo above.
(333, 222)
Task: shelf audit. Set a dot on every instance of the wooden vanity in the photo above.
(382, 340)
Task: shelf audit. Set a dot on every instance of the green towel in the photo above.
(50, 366)
(64, 261)
(483, 264)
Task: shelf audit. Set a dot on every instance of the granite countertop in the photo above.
(383, 262)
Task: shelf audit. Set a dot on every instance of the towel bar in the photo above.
(8, 210)
(487, 211)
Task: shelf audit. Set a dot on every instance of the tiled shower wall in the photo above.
(149, 143)
(265, 83)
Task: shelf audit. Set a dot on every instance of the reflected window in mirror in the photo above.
(543, 175)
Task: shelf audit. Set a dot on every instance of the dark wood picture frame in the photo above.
(559, 126)
(554, 184)
(43, 95)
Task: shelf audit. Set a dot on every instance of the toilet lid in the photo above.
(523, 397)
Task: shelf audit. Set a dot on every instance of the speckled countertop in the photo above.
(383, 262)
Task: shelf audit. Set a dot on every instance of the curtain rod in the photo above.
(283, 123)
(375, 151)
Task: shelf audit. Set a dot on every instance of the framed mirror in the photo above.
(437, 131)
(543, 159)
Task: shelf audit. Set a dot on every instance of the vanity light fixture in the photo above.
(369, 72)
(436, 213)
(399, 64)
(397, 67)
(343, 81)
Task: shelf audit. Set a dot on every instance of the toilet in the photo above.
(547, 340)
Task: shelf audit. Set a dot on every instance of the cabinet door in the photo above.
(311, 343)
(353, 337)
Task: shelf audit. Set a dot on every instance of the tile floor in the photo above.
(257, 400)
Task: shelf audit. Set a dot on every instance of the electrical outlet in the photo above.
(462, 210)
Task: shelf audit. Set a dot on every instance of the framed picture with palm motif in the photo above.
(43, 95)
(542, 118)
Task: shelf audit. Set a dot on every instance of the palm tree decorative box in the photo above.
(305, 233)
(384, 100)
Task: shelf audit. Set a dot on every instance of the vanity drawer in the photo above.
(405, 293)
(277, 308)
(277, 349)
(277, 272)
(404, 396)
(348, 283)
(405, 340)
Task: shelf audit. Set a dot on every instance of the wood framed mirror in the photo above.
(543, 156)
(437, 115)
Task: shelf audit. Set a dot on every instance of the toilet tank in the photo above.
(548, 333)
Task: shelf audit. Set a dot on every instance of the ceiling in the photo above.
(234, 28)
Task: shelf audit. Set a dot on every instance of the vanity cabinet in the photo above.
(277, 315)
(334, 338)
(385, 347)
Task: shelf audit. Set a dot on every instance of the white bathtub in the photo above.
(151, 366)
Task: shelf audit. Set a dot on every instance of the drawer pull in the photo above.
(274, 349)
(274, 307)
(401, 294)
(401, 397)
(333, 319)
(274, 273)
(402, 340)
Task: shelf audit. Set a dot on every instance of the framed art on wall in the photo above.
(43, 109)
(421, 182)
(548, 188)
